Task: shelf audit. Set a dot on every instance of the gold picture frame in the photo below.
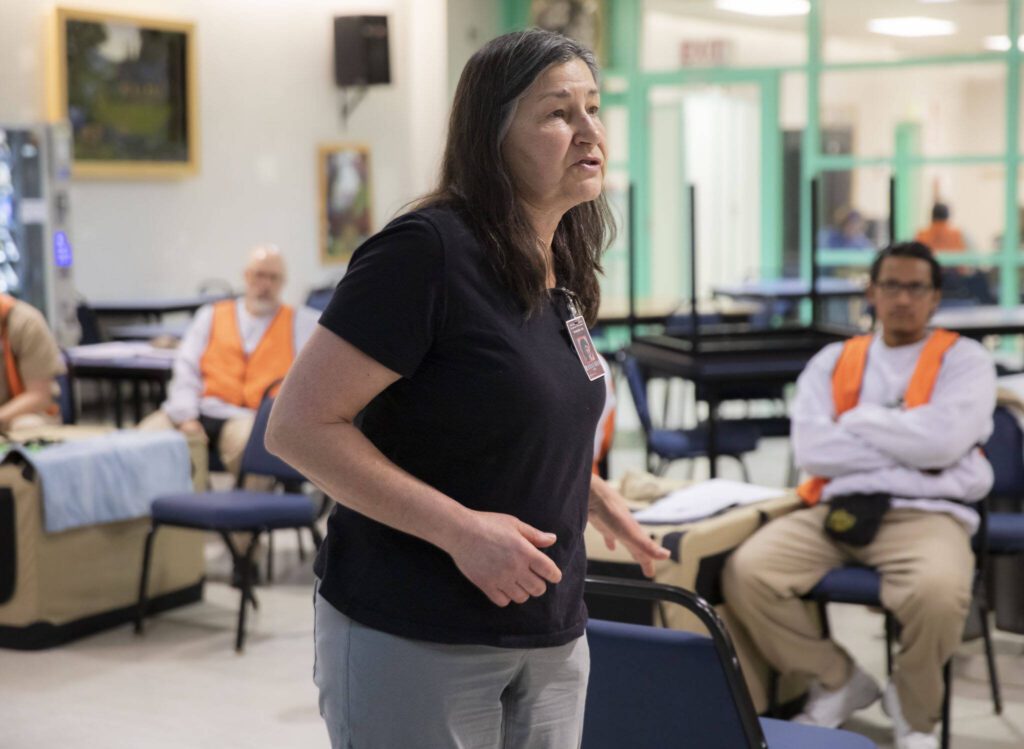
(582, 20)
(346, 200)
(128, 87)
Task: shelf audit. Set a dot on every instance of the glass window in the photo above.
(972, 196)
(687, 34)
(917, 111)
(901, 29)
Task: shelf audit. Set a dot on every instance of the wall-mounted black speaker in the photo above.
(361, 50)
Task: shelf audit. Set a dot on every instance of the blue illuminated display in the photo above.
(61, 250)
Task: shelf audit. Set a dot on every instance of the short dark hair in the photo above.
(476, 179)
(916, 250)
(940, 212)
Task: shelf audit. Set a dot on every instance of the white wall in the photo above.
(266, 100)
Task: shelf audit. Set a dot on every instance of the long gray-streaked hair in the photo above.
(476, 180)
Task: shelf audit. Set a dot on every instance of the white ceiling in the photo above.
(845, 22)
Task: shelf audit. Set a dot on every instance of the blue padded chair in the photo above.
(665, 445)
(66, 392)
(234, 511)
(1005, 451)
(862, 586)
(654, 688)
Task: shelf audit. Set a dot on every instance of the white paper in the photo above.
(121, 350)
(704, 500)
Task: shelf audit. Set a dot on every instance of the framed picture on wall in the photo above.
(127, 86)
(582, 20)
(345, 207)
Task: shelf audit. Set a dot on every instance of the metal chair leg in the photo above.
(986, 633)
(270, 556)
(140, 609)
(947, 694)
(317, 539)
(246, 591)
(891, 636)
(302, 547)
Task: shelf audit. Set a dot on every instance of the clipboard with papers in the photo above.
(705, 499)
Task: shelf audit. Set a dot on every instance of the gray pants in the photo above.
(379, 691)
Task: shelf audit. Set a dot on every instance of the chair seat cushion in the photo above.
(849, 585)
(1006, 533)
(234, 510)
(732, 438)
(782, 734)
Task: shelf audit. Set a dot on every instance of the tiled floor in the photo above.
(181, 685)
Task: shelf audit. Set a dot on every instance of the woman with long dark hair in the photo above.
(450, 585)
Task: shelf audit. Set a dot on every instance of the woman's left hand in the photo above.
(609, 514)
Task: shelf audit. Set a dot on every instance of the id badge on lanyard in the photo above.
(580, 337)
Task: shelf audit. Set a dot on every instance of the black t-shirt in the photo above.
(493, 409)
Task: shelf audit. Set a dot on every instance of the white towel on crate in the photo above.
(112, 477)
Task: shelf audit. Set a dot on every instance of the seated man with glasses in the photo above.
(888, 426)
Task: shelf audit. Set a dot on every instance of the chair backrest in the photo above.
(318, 298)
(654, 688)
(1005, 451)
(66, 399)
(89, 323)
(637, 388)
(256, 459)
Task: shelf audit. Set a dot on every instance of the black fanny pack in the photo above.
(854, 519)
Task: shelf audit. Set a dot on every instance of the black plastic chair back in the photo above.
(1005, 451)
(318, 298)
(256, 459)
(638, 389)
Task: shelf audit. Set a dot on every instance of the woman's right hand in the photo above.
(500, 555)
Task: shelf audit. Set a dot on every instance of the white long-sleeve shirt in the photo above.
(185, 398)
(922, 456)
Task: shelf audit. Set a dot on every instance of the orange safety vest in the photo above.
(848, 376)
(14, 383)
(240, 379)
(940, 235)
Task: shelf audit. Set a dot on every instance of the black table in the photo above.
(146, 331)
(117, 363)
(729, 355)
(789, 288)
(152, 308)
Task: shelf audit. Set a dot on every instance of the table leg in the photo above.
(137, 399)
(713, 432)
(118, 404)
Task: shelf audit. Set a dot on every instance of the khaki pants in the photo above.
(927, 568)
(231, 444)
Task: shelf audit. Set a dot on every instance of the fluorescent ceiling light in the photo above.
(912, 26)
(1002, 43)
(765, 7)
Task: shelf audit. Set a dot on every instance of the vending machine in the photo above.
(36, 256)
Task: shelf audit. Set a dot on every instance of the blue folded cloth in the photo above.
(112, 477)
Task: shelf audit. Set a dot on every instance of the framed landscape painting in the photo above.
(127, 86)
(346, 218)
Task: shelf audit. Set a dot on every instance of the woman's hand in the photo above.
(500, 554)
(609, 514)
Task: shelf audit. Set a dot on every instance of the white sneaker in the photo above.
(905, 737)
(830, 708)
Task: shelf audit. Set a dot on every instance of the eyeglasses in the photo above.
(893, 289)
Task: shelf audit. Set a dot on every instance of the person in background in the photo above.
(940, 235)
(888, 424)
(233, 350)
(846, 233)
(32, 362)
(450, 584)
